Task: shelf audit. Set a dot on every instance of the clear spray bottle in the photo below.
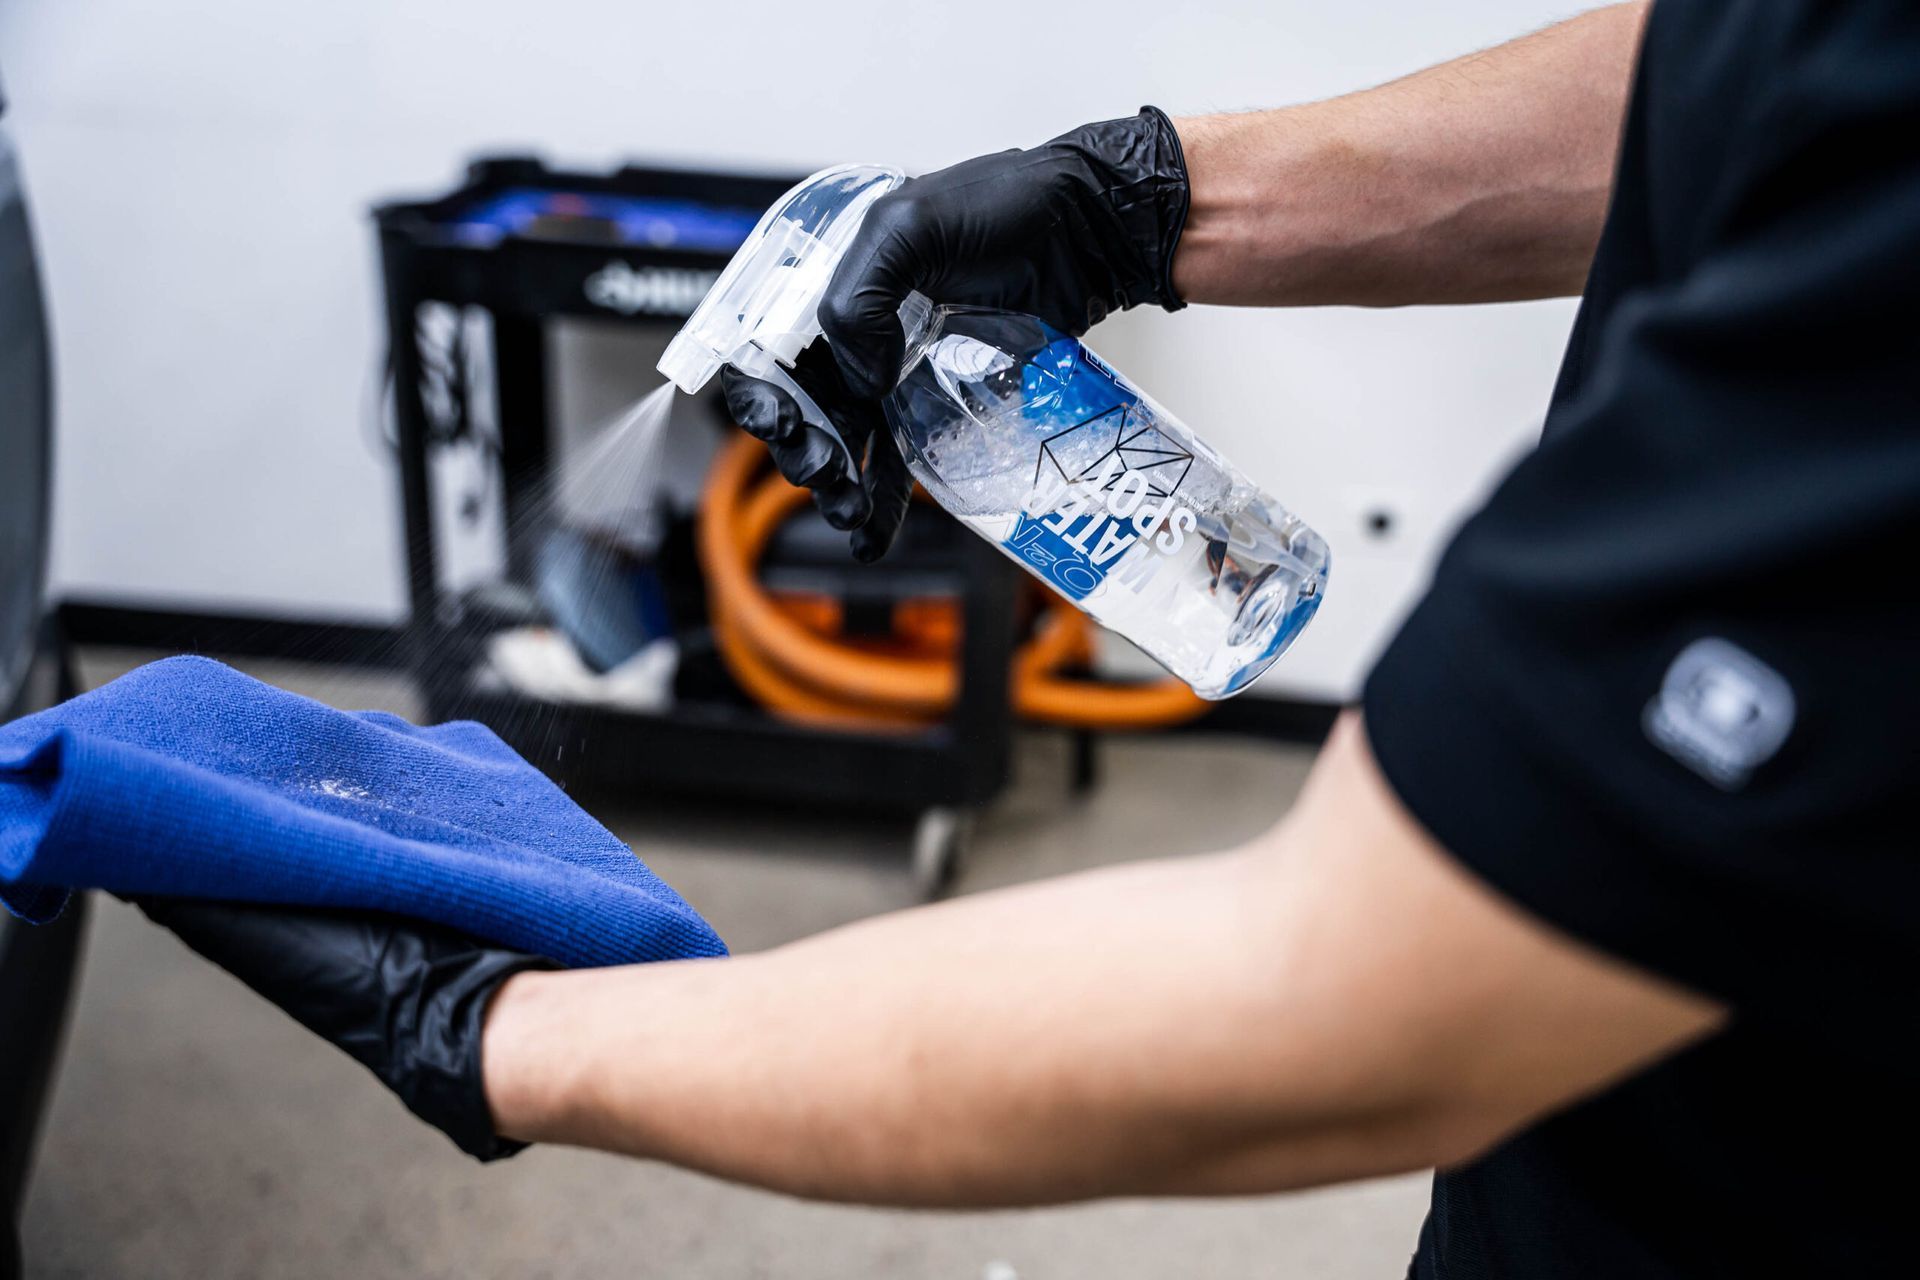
(1038, 446)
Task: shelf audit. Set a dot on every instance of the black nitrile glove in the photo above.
(405, 999)
(871, 505)
(1070, 231)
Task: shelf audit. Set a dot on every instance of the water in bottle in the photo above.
(1044, 450)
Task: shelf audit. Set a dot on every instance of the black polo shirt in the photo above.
(1664, 692)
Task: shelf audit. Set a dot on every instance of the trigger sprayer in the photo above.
(1035, 444)
(763, 310)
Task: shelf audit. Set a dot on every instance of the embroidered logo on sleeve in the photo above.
(1720, 711)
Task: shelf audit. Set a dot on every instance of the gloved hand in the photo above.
(1069, 231)
(405, 999)
(872, 504)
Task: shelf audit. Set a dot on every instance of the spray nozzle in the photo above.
(763, 310)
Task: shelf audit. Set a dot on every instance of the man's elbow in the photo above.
(1376, 1145)
(1447, 1133)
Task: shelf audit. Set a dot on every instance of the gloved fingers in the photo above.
(853, 415)
(763, 410)
(889, 490)
(843, 500)
(860, 311)
(805, 454)
(306, 959)
(405, 998)
(852, 502)
(810, 458)
(287, 955)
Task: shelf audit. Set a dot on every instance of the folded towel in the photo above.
(187, 779)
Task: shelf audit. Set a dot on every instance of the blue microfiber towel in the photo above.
(185, 778)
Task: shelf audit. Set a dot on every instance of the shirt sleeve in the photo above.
(1664, 692)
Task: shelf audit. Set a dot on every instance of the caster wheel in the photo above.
(939, 838)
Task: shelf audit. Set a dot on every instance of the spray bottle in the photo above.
(1037, 445)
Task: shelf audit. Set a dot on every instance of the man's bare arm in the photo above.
(1335, 1001)
(1484, 179)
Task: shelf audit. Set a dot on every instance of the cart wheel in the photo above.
(939, 838)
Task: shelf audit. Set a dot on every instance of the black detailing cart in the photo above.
(522, 244)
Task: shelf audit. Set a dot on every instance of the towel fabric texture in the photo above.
(185, 778)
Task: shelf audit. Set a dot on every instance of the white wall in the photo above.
(201, 170)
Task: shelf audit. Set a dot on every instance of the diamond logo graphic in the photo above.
(1071, 538)
(1081, 452)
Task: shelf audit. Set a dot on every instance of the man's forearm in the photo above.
(1084, 1037)
(1336, 1001)
(1484, 179)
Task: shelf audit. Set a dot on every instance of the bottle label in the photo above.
(1102, 488)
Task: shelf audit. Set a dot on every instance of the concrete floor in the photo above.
(196, 1132)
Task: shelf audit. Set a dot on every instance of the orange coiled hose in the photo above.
(793, 669)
